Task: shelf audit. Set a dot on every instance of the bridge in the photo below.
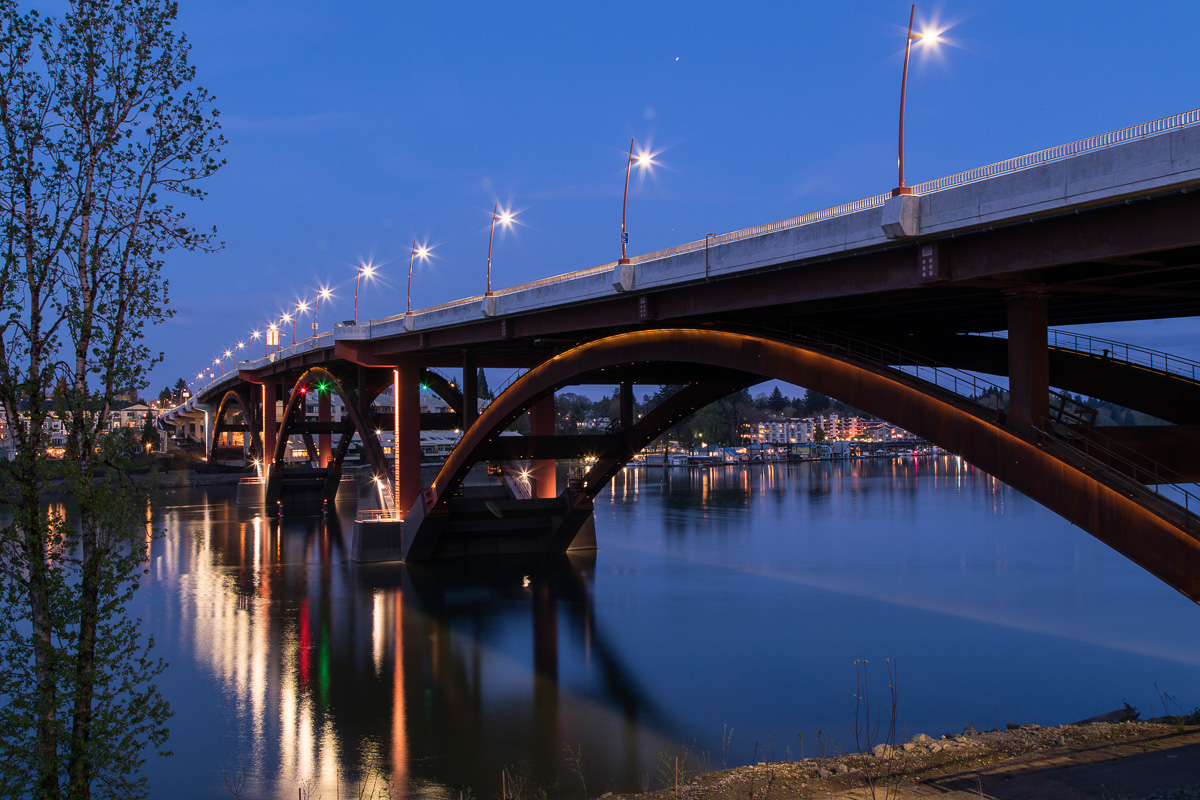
(899, 305)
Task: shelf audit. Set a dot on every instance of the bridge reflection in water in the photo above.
(428, 677)
(721, 596)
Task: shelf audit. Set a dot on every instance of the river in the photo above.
(720, 620)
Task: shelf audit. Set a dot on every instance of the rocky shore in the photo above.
(993, 764)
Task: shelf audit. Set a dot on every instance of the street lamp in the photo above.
(323, 293)
(256, 334)
(287, 317)
(364, 269)
(505, 218)
(930, 36)
(273, 336)
(423, 252)
(301, 307)
(643, 160)
(242, 346)
(226, 354)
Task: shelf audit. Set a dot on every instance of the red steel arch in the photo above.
(1124, 522)
(374, 450)
(235, 396)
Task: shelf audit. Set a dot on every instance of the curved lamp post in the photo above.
(255, 335)
(423, 252)
(930, 36)
(505, 218)
(322, 294)
(643, 160)
(301, 307)
(363, 269)
(286, 318)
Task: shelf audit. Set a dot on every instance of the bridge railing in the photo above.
(1131, 133)
(960, 382)
(1132, 354)
(1017, 164)
(1143, 474)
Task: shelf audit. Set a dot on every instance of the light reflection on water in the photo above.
(722, 597)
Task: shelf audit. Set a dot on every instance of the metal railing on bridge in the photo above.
(1132, 354)
(1142, 474)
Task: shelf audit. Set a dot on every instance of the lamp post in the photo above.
(901, 188)
(643, 160)
(301, 307)
(226, 355)
(505, 219)
(273, 336)
(242, 346)
(423, 252)
(323, 293)
(255, 334)
(363, 269)
(287, 317)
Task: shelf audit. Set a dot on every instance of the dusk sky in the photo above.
(354, 128)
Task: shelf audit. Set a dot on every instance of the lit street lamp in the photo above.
(930, 36)
(643, 160)
(287, 317)
(256, 334)
(423, 252)
(226, 355)
(324, 293)
(364, 269)
(301, 307)
(504, 218)
(273, 336)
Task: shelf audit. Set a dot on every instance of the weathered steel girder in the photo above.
(1134, 524)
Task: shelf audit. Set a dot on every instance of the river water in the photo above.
(720, 620)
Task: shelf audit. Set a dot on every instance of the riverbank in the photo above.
(1103, 760)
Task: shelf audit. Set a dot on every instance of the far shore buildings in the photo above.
(836, 427)
(122, 414)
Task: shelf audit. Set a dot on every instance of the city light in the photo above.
(644, 159)
(931, 37)
(322, 294)
(363, 270)
(505, 218)
(418, 252)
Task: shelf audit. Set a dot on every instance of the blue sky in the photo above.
(354, 128)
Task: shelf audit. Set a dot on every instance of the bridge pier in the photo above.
(324, 415)
(406, 435)
(541, 423)
(1028, 360)
(470, 390)
(270, 416)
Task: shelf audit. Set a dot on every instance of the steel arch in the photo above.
(1122, 521)
(245, 404)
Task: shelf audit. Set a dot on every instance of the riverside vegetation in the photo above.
(102, 131)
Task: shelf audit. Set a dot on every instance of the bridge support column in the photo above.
(1028, 360)
(470, 390)
(406, 436)
(324, 414)
(270, 392)
(626, 405)
(541, 423)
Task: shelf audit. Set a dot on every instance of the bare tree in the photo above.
(102, 130)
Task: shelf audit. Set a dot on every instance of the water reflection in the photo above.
(719, 596)
(430, 676)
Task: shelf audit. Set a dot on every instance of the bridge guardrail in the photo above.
(1143, 474)
(1131, 133)
(1132, 354)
